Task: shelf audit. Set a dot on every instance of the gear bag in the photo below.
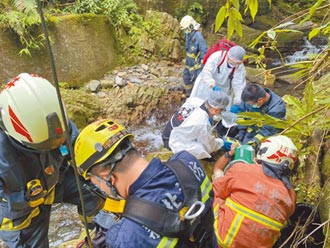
(187, 223)
(221, 45)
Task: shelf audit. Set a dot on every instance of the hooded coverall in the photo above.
(30, 181)
(183, 112)
(196, 48)
(195, 135)
(250, 207)
(211, 74)
(274, 107)
(158, 184)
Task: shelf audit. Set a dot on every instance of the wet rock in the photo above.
(93, 86)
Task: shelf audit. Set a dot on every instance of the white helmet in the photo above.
(278, 150)
(187, 22)
(30, 112)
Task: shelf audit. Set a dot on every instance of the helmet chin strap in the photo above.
(113, 191)
(107, 181)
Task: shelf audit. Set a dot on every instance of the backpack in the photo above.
(221, 45)
(193, 231)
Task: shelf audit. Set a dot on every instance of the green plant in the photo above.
(118, 12)
(195, 10)
(230, 12)
(23, 18)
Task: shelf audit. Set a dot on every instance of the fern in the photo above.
(23, 18)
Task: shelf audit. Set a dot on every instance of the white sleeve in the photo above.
(210, 67)
(194, 135)
(238, 83)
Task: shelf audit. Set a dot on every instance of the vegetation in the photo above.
(307, 117)
(22, 18)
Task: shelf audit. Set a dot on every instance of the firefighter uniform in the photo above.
(274, 107)
(30, 182)
(196, 48)
(250, 207)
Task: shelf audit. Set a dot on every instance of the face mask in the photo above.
(216, 117)
(186, 32)
(255, 106)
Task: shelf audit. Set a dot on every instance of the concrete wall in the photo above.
(83, 48)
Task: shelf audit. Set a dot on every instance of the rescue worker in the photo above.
(190, 128)
(253, 201)
(257, 99)
(224, 71)
(196, 48)
(34, 162)
(105, 154)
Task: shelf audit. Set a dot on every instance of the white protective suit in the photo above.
(210, 75)
(195, 136)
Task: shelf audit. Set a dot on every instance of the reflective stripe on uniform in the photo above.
(193, 56)
(259, 137)
(242, 212)
(49, 198)
(233, 230)
(194, 67)
(7, 224)
(167, 242)
(255, 216)
(206, 188)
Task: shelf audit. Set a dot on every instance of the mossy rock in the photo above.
(82, 108)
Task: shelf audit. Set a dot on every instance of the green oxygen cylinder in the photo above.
(244, 153)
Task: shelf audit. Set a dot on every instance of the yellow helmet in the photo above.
(98, 142)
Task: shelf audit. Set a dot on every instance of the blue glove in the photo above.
(234, 109)
(216, 88)
(226, 145)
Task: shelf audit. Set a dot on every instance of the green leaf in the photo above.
(220, 18)
(237, 14)
(288, 31)
(309, 97)
(284, 25)
(231, 23)
(313, 33)
(314, 7)
(253, 6)
(295, 104)
(235, 3)
(239, 29)
(256, 40)
(256, 118)
(271, 34)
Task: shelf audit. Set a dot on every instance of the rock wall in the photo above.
(74, 43)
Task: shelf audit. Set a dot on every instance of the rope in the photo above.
(42, 18)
